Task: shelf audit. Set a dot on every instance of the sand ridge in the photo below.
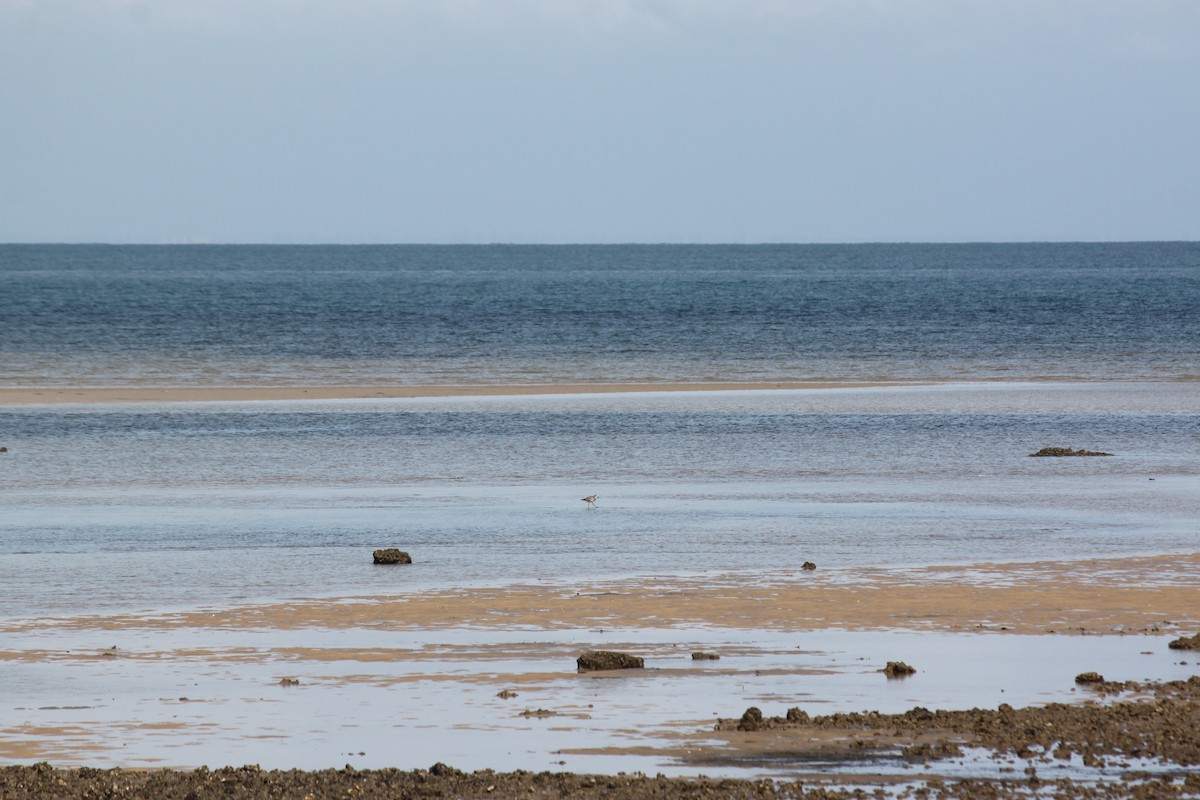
(1111, 595)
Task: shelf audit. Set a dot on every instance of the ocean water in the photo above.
(245, 315)
(147, 507)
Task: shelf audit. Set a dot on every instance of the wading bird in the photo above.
(591, 500)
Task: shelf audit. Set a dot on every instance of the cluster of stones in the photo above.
(1161, 725)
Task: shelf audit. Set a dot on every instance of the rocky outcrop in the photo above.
(391, 555)
(1066, 451)
(752, 720)
(897, 669)
(1186, 643)
(1157, 721)
(596, 660)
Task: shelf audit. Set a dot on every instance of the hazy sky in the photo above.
(598, 120)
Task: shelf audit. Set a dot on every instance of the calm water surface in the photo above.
(245, 315)
(145, 508)
(153, 506)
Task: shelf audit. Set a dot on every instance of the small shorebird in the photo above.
(591, 500)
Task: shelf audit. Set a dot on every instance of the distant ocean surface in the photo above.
(96, 315)
(154, 506)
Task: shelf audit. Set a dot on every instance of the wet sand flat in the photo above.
(485, 678)
(1152, 593)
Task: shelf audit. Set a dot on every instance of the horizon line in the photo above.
(857, 243)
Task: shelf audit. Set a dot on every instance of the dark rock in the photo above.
(808, 565)
(1186, 643)
(538, 712)
(289, 682)
(391, 555)
(897, 669)
(752, 720)
(595, 660)
(3, 449)
(505, 694)
(931, 751)
(1089, 677)
(797, 715)
(705, 656)
(1066, 451)
(918, 714)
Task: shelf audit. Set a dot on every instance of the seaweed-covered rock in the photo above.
(1066, 451)
(1089, 677)
(752, 720)
(808, 565)
(797, 715)
(1186, 643)
(897, 669)
(596, 660)
(391, 555)
(699, 656)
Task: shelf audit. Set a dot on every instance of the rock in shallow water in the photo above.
(1066, 451)
(897, 669)
(391, 555)
(1186, 643)
(595, 660)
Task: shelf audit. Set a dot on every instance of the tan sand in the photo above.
(1146, 594)
(191, 394)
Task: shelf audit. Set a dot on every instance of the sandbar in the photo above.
(1110, 595)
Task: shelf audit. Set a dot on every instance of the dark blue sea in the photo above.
(259, 315)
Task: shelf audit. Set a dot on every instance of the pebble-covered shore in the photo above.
(42, 782)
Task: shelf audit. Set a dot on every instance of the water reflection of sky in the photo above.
(162, 506)
(413, 698)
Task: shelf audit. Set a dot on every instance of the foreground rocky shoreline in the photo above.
(42, 781)
(1158, 721)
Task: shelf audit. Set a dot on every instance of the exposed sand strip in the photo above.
(1093, 596)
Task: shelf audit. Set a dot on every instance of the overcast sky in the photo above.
(599, 120)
